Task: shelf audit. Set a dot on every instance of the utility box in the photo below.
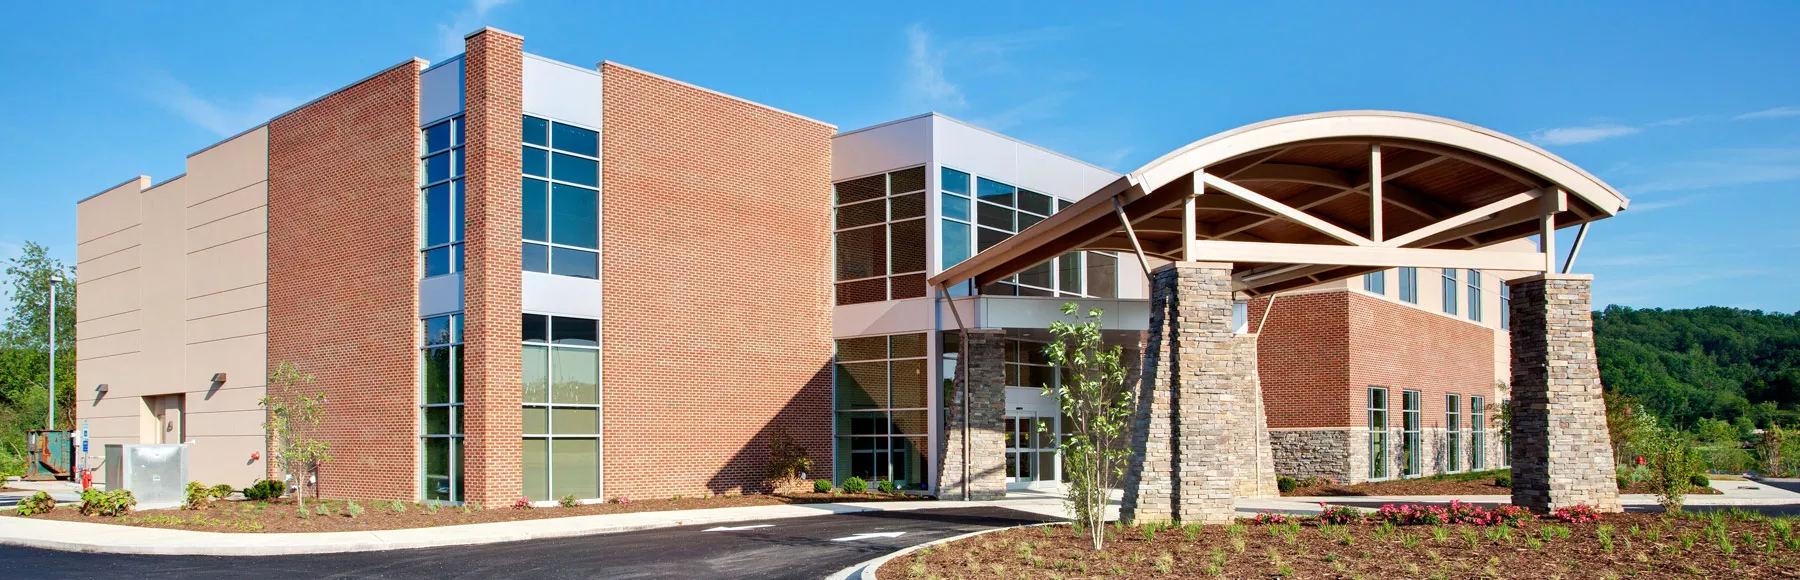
(156, 474)
(52, 455)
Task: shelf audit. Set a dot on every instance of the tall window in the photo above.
(441, 409)
(1375, 282)
(561, 399)
(1475, 295)
(1450, 291)
(882, 410)
(441, 196)
(1452, 433)
(1378, 425)
(881, 237)
(980, 212)
(1409, 432)
(1477, 435)
(1409, 285)
(561, 203)
(1505, 306)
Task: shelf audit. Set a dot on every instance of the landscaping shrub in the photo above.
(198, 496)
(523, 503)
(1673, 464)
(788, 461)
(38, 503)
(352, 509)
(821, 486)
(1700, 480)
(222, 491)
(265, 490)
(569, 501)
(1285, 483)
(885, 486)
(1456, 513)
(1503, 480)
(107, 503)
(1269, 518)
(856, 485)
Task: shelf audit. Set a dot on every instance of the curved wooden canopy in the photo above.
(1291, 203)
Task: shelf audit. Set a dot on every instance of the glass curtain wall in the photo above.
(441, 409)
(561, 199)
(561, 400)
(880, 237)
(441, 196)
(979, 212)
(883, 413)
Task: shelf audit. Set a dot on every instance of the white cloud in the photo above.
(925, 66)
(1041, 107)
(1774, 113)
(1577, 135)
(1638, 208)
(450, 34)
(222, 117)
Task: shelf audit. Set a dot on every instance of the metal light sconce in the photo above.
(100, 389)
(218, 378)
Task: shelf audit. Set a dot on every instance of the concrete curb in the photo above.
(866, 569)
(118, 539)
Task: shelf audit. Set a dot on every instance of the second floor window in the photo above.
(1475, 295)
(1450, 291)
(441, 196)
(1375, 282)
(880, 237)
(1409, 285)
(561, 199)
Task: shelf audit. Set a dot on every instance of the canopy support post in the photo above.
(1580, 236)
(1119, 208)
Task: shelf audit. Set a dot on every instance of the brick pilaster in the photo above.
(985, 386)
(1562, 455)
(1184, 466)
(493, 96)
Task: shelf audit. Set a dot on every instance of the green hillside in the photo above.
(1689, 364)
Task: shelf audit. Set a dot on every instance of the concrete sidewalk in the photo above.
(118, 539)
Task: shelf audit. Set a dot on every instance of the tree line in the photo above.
(1700, 365)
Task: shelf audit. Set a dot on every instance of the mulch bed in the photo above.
(1439, 487)
(253, 516)
(1642, 545)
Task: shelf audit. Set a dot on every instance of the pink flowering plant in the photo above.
(1269, 518)
(1339, 515)
(1575, 514)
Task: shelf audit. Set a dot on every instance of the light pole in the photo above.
(55, 279)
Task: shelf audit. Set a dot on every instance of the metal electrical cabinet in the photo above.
(156, 474)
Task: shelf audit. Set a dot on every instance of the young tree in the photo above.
(294, 411)
(1098, 409)
(1673, 462)
(25, 340)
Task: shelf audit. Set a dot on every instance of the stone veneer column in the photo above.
(1250, 424)
(984, 358)
(1184, 465)
(1562, 454)
(493, 90)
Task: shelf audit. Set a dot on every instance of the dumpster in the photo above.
(52, 455)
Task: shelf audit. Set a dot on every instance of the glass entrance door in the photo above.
(1030, 450)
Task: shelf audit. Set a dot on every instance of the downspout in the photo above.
(962, 367)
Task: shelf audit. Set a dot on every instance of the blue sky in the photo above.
(1693, 110)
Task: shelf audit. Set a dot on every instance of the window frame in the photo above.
(1409, 285)
(453, 244)
(1375, 282)
(919, 482)
(550, 151)
(887, 222)
(975, 229)
(549, 405)
(1474, 291)
(1477, 433)
(1453, 433)
(1411, 414)
(1452, 289)
(455, 434)
(1378, 467)
(1505, 306)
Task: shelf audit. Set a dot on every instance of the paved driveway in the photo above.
(810, 547)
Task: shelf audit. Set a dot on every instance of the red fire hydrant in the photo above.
(87, 479)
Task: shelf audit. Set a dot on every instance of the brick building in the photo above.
(513, 276)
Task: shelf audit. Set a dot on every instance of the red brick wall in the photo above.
(1319, 353)
(716, 244)
(493, 97)
(344, 274)
(1405, 348)
(1302, 355)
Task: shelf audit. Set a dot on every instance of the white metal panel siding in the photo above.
(562, 91)
(441, 91)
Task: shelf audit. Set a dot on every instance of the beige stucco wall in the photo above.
(173, 289)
